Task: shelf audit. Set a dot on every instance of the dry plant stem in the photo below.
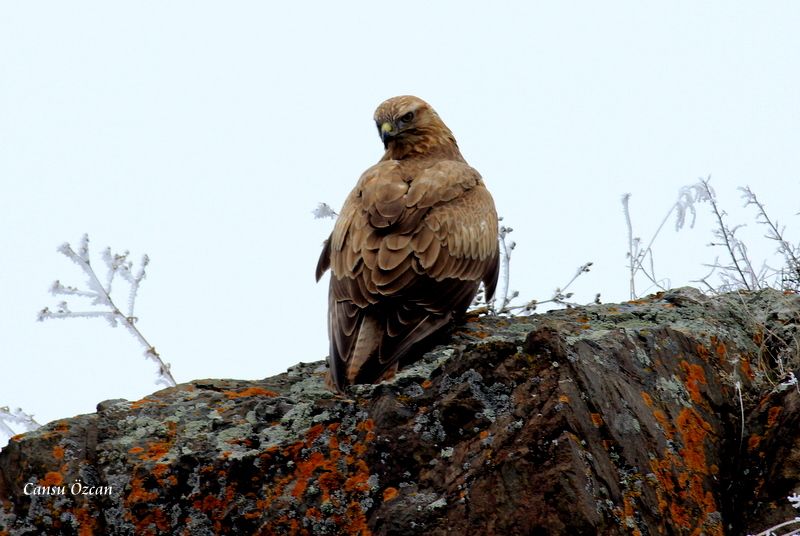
(505, 263)
(724, 232)
(559, 296)
(688, 196)
(738, 386)
(631, 246)
(638, 256)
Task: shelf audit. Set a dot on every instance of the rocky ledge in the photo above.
(675, 414)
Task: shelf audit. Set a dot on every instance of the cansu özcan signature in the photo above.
(76, 488)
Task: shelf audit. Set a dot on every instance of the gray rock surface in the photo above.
(606, 419)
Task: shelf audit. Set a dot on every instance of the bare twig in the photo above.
(560, 295)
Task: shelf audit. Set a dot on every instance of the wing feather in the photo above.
(389, 259)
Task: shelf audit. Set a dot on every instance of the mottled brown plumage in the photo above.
(412, 243)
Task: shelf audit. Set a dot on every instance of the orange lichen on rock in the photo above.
(597, 419)
(314, 432)
(322, 470)
(694, 430)
(753, 442)
(390, 494)
(144, 401)
(306, 468)
(138, 493)
(647, 399)
(358, 481)
(52, 478)
(161, 472)
(87, 523)
(359, 448)
(772, 416)
(356, 520)
(58, 452)
(683, 484)
(217, 508)
(695, 377)
(719, 348)
(368, 426)
(747, 370)
(250, 391)
(679, 516)
(702, 352)
(665, 423)
(156, 451)
(154, 516)
(629, 509)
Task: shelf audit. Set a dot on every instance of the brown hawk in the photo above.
(413, 241)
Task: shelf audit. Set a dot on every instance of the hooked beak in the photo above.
(388, 131)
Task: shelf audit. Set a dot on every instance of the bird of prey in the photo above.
(412, 243)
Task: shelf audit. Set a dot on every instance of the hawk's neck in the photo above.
(434, 145)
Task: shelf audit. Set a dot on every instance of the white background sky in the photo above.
(204, 133)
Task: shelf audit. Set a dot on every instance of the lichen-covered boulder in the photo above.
(669, 415)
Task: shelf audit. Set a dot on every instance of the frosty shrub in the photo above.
(97, 301)
(738, 270)
(14, 421)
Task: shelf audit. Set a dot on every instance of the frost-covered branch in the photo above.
(15, 417)
(506, 247)
(560, 296)
(100, 295)
(324, 210)
(792, 526)
(641, 258)
(741, 267)
(790, 274)
(503, 302)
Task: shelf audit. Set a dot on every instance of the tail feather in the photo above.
(370, 334)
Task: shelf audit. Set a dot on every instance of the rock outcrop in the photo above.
(670, 415)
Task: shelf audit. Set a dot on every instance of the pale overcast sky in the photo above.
(204, 133)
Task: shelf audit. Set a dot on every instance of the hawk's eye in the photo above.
(407, 118)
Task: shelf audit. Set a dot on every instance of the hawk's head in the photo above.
(408, 121)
